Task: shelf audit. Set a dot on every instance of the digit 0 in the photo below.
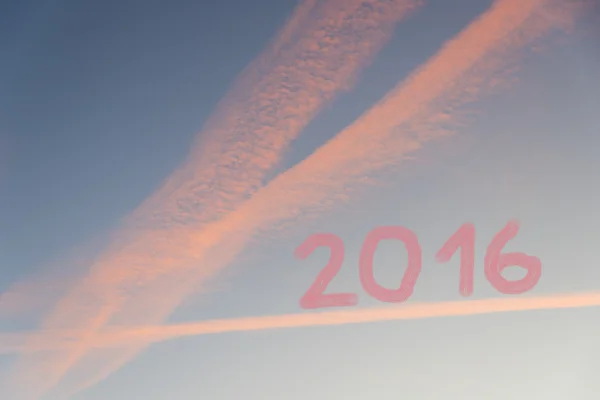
(367, 253)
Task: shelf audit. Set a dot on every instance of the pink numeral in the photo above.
(495, 262)
(463, 238)
(314, 297)
(367, 279)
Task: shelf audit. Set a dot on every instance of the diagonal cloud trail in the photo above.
(32, 295)
(466, 68)
(318, 54)
(151, 334)
(382, 136)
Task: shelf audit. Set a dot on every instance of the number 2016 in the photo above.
(464, 239)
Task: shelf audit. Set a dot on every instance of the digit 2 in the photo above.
(314, 296)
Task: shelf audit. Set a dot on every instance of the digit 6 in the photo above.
(496, 262)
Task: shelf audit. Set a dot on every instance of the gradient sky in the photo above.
(102, 102)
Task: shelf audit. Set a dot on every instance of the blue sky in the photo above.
(100, 102)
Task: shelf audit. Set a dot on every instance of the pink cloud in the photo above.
(319, 53)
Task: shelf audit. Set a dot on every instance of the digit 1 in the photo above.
(463, 238)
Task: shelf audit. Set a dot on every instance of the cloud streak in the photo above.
(410, 115)
(152, 334)
(415, 112)
(424, 107)
(318, 53)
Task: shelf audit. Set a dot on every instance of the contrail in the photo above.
(37, 293)
(318, 54)
(151, 334)
(465, 69)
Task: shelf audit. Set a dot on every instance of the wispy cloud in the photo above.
(418, 110)
(35, 295)
(30, 296)
(422, 108)
(319, 53)
(149, 334)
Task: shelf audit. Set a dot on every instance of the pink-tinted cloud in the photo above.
(35, 295)
(316, 55)
(123, 336)
(422, 108)
(30, 296)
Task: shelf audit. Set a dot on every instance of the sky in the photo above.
(161, 162)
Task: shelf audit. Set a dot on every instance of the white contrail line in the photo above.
(111, 337)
